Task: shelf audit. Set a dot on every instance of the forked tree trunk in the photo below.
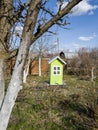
(15, 84)
(14, 87)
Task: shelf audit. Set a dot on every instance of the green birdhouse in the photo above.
(56, 70)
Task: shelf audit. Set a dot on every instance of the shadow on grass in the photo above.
(77, 116)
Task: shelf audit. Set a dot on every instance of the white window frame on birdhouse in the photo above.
(56, 70)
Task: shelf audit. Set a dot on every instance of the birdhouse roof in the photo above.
(57, 57)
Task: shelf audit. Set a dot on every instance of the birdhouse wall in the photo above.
(56, 73)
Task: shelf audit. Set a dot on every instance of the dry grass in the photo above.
(73, 106)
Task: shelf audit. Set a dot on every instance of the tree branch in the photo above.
(53, 20)
(47, 11)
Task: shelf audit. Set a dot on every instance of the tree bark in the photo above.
(15, 84)
(13, 88)
(26, 70)
(2, 81)
(5, 12)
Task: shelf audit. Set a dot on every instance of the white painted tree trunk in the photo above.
(40, 66)
(17, 76)
(24, 76)
(92, 74)
(2, 82)
(14, 86)
(26, 71)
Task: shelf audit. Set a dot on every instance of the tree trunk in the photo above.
(2, 81)
(92, 74)
(16, 80)
(5, 10)
(14, 86)
(26, 71)
(40, 66)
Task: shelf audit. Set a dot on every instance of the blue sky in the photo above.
(83, 28)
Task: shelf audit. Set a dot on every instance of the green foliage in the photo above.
(43, 107)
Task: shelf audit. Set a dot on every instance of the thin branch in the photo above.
(47, 11)
(51, 32)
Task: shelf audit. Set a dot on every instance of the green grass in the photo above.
(42, 107)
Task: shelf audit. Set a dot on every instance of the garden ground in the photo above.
(73, 106)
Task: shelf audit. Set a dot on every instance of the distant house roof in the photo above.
(57, 57)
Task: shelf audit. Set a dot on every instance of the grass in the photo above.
(73, 106)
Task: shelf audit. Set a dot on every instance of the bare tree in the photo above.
(89, 60)
(41, 47)
(94, 63)
(29, 15)
(85, 63)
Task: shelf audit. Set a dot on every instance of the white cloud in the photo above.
(84, 7)
(87, 38)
